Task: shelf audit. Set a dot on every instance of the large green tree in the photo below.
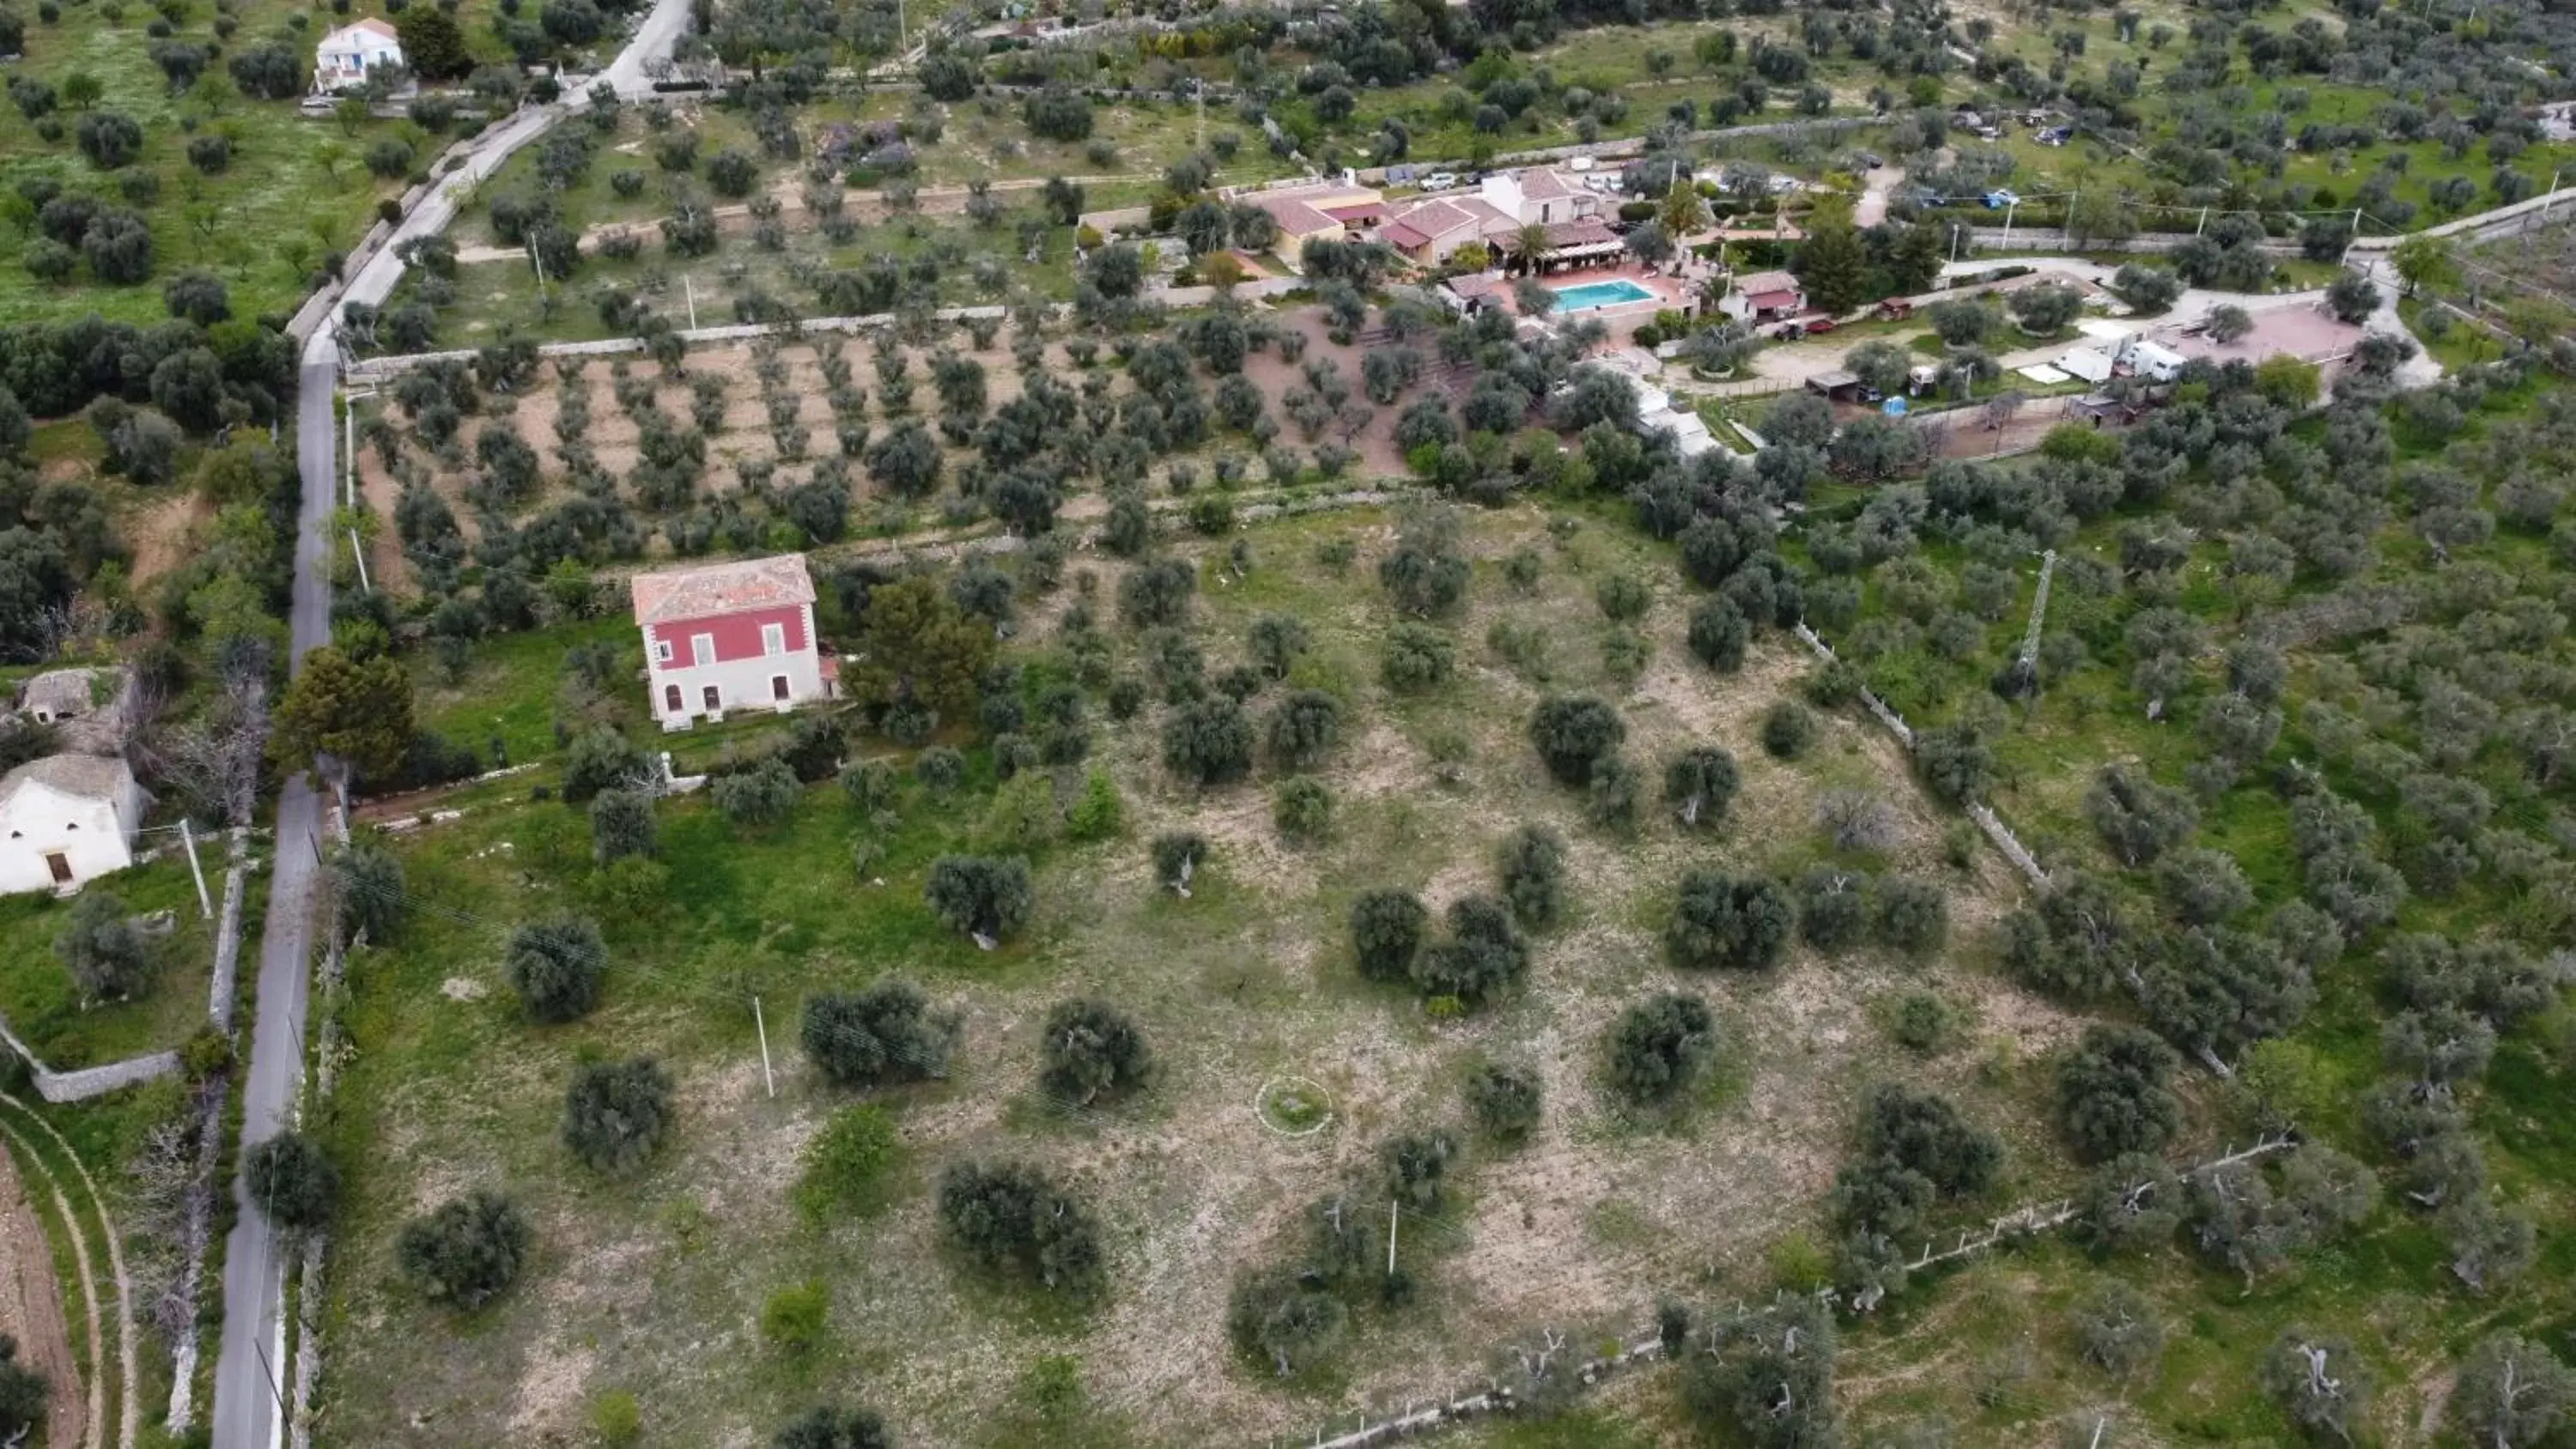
(917, 646)
(1833, 266)
(357, 711)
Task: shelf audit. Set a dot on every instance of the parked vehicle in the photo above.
(1999, 199)
(1439, 180)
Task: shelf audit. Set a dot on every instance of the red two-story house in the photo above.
(731, 636)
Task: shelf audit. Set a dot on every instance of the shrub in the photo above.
(978, 896)
(1910, 915)
(1718, 634)
(886, 1033)
(1178, 856)
(1724, 921)
(827, 1426)
(466, 1251)
(1532, 868)
(616, 1112)
(556, 966)
(599, 759)
(940, 768)
(1504, 1101)
(794, 1317)
(846, 1165)
(1922, 1022)
(759, 797)
(1660, 1046)
(1092, 1050)
(1574, 733)
(621, 824)
(1302, 809)
(1623, 597)
(1387, 932)
(292, 1182)
(1788, 729)
(1417, 657)
(1011, 1216)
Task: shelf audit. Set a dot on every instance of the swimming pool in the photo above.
(1600, 294)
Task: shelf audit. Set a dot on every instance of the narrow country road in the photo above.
(250, 1369)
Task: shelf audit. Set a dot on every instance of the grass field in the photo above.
(296, 187)
(36, 993)
(1244, 981)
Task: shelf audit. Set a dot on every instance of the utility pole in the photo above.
(692, 289)
(2009, 208)
(762, 1023)
(1392, 1209)
(538, 261)
(360, 555)
(187, 837)
(2204, 222)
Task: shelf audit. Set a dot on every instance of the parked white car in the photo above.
(1439, 180)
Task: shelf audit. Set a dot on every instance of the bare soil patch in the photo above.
(31, 1311)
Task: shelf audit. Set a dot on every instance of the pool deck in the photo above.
(1665, 293)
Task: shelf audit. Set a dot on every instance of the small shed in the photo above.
(1837, 385)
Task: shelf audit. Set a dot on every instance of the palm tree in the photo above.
(1531, 245)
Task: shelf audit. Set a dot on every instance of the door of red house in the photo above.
(61, 866)
(715, 701)
(670, 699)
(778, 687)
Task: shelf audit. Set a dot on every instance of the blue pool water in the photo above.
(1600, 294)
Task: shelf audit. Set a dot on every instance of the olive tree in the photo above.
(466, 1251)
(1388, 928)
(615, 1113)
(1011, 1216)
(1092, 1050)
(1574, 734)
(980, 896)
(1532, 868)
(107, 955)
(885, 1033)
(1659, 1046)
(1725, 921)
(2112, 1094)
(293, 1182)
(556, 965)
(1699, 784)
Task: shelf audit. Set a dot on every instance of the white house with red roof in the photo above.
(731, 636)
(345, 56)
(1538, 197)
(1762, 296)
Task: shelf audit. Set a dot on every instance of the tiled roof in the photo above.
(1767, 282)
(1582, 231)
(1431, 219)
(730, 588)
(1296, 218)
(1771, 301)
(90, 777)
(369, 26)
(1542, 185)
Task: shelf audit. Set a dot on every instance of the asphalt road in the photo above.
(247, 1391)
(249, 1367)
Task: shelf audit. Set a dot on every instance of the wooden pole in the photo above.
(762, 1023)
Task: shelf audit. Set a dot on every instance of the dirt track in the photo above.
(31, 1310)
